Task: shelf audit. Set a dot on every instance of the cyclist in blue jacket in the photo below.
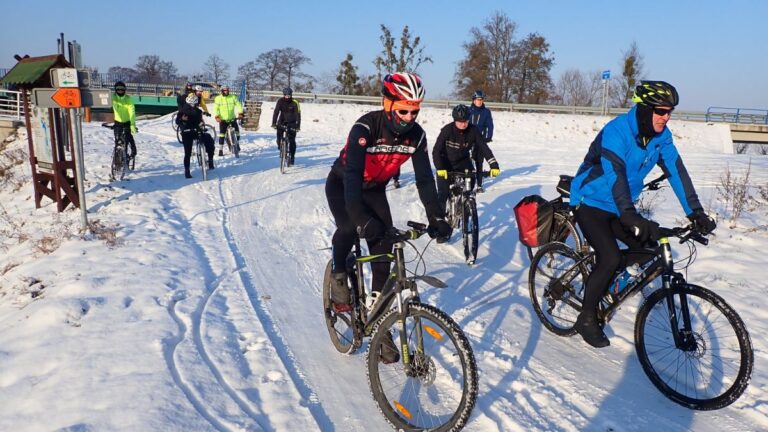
(610, 180)
(480, 116)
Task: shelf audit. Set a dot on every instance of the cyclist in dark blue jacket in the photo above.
(610, 180)
(480, 116)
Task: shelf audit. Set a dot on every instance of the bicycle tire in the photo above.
(563, 230)
(283, 157)
(119, 162)
(201, 159)
(178, 136)
(428, 399)
(340, 325)
(234, 143)
(731, 353)
(470, 231)
(173, 122)
(546, 285)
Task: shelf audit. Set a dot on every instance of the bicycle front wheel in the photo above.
(201, 158)
(234, 143)
(283, 156)
(556, 283)
(710, 367)
(119, 162)
(438, 388)
(471, 231)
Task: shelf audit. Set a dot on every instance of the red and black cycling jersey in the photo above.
(373, 155)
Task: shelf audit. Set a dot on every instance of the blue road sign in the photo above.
(606, 74)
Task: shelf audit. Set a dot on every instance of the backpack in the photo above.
(534, 217)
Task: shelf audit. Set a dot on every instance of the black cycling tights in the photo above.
(376, 204)
(602, 229)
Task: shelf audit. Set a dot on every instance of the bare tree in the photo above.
(122, 73)
(292, 61)
(409, 54)
(623, 87)
(216, 68)
(490, 60)
(576, 88)
(531, 69)
(150, 69)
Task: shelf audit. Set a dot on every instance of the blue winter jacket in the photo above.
(612, 174)
(481, 117)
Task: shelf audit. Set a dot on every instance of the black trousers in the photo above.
(376, 204)
(126, 126)
(188, 138)
(602, 229)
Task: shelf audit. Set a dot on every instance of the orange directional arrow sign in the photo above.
(67, 97)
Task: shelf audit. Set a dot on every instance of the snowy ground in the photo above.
(198, 306)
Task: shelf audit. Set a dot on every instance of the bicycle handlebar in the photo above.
(108, 125)
(417, 230)
(467, 174)
(655, 184)
(685, 234)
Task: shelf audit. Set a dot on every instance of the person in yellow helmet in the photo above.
(227, 110)
(125, 118)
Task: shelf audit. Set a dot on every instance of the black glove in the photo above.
(702, 222)
(371, 230)
(642, 228)
(440, 229)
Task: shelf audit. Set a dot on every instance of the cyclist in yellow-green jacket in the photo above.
(125, 117)
(226, 111)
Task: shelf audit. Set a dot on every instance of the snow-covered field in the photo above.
(197, 306)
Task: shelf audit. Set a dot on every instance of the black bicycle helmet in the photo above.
(478, 94)
(119, 84)
(656, 93)
(287, 91)
(460, 113)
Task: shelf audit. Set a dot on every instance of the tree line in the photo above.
(506, 67)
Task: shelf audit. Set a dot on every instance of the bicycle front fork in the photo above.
(682, 332)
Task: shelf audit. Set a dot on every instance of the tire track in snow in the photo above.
(284, 352)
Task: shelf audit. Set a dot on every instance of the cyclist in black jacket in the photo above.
(287, 120)
(378, 144)
(190, 124)
(457, 147)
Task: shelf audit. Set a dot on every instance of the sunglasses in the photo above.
(120, 89)
(662, 112)
(406, 112)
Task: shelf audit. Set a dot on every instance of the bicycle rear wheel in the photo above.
(471, 231)
(439, 390)
(712, 366)
(340, 325)
(556, 285)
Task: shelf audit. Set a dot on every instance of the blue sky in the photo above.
(714, 52)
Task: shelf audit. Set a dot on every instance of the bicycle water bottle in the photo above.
(624, 279)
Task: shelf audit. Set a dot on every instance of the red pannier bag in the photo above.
(534, 217)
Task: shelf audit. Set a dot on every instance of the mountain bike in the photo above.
(282, 144)
(233, 141)
(564, 227)
(434, 384)
(693, 346)
(121, 154)
(462, 210)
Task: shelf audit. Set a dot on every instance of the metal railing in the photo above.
(737, 115)
(10, 105)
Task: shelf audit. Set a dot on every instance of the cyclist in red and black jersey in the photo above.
(378, 144)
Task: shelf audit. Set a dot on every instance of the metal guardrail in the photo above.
(737, 115)
(10, 105)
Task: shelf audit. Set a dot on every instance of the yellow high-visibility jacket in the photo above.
(227, 107)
